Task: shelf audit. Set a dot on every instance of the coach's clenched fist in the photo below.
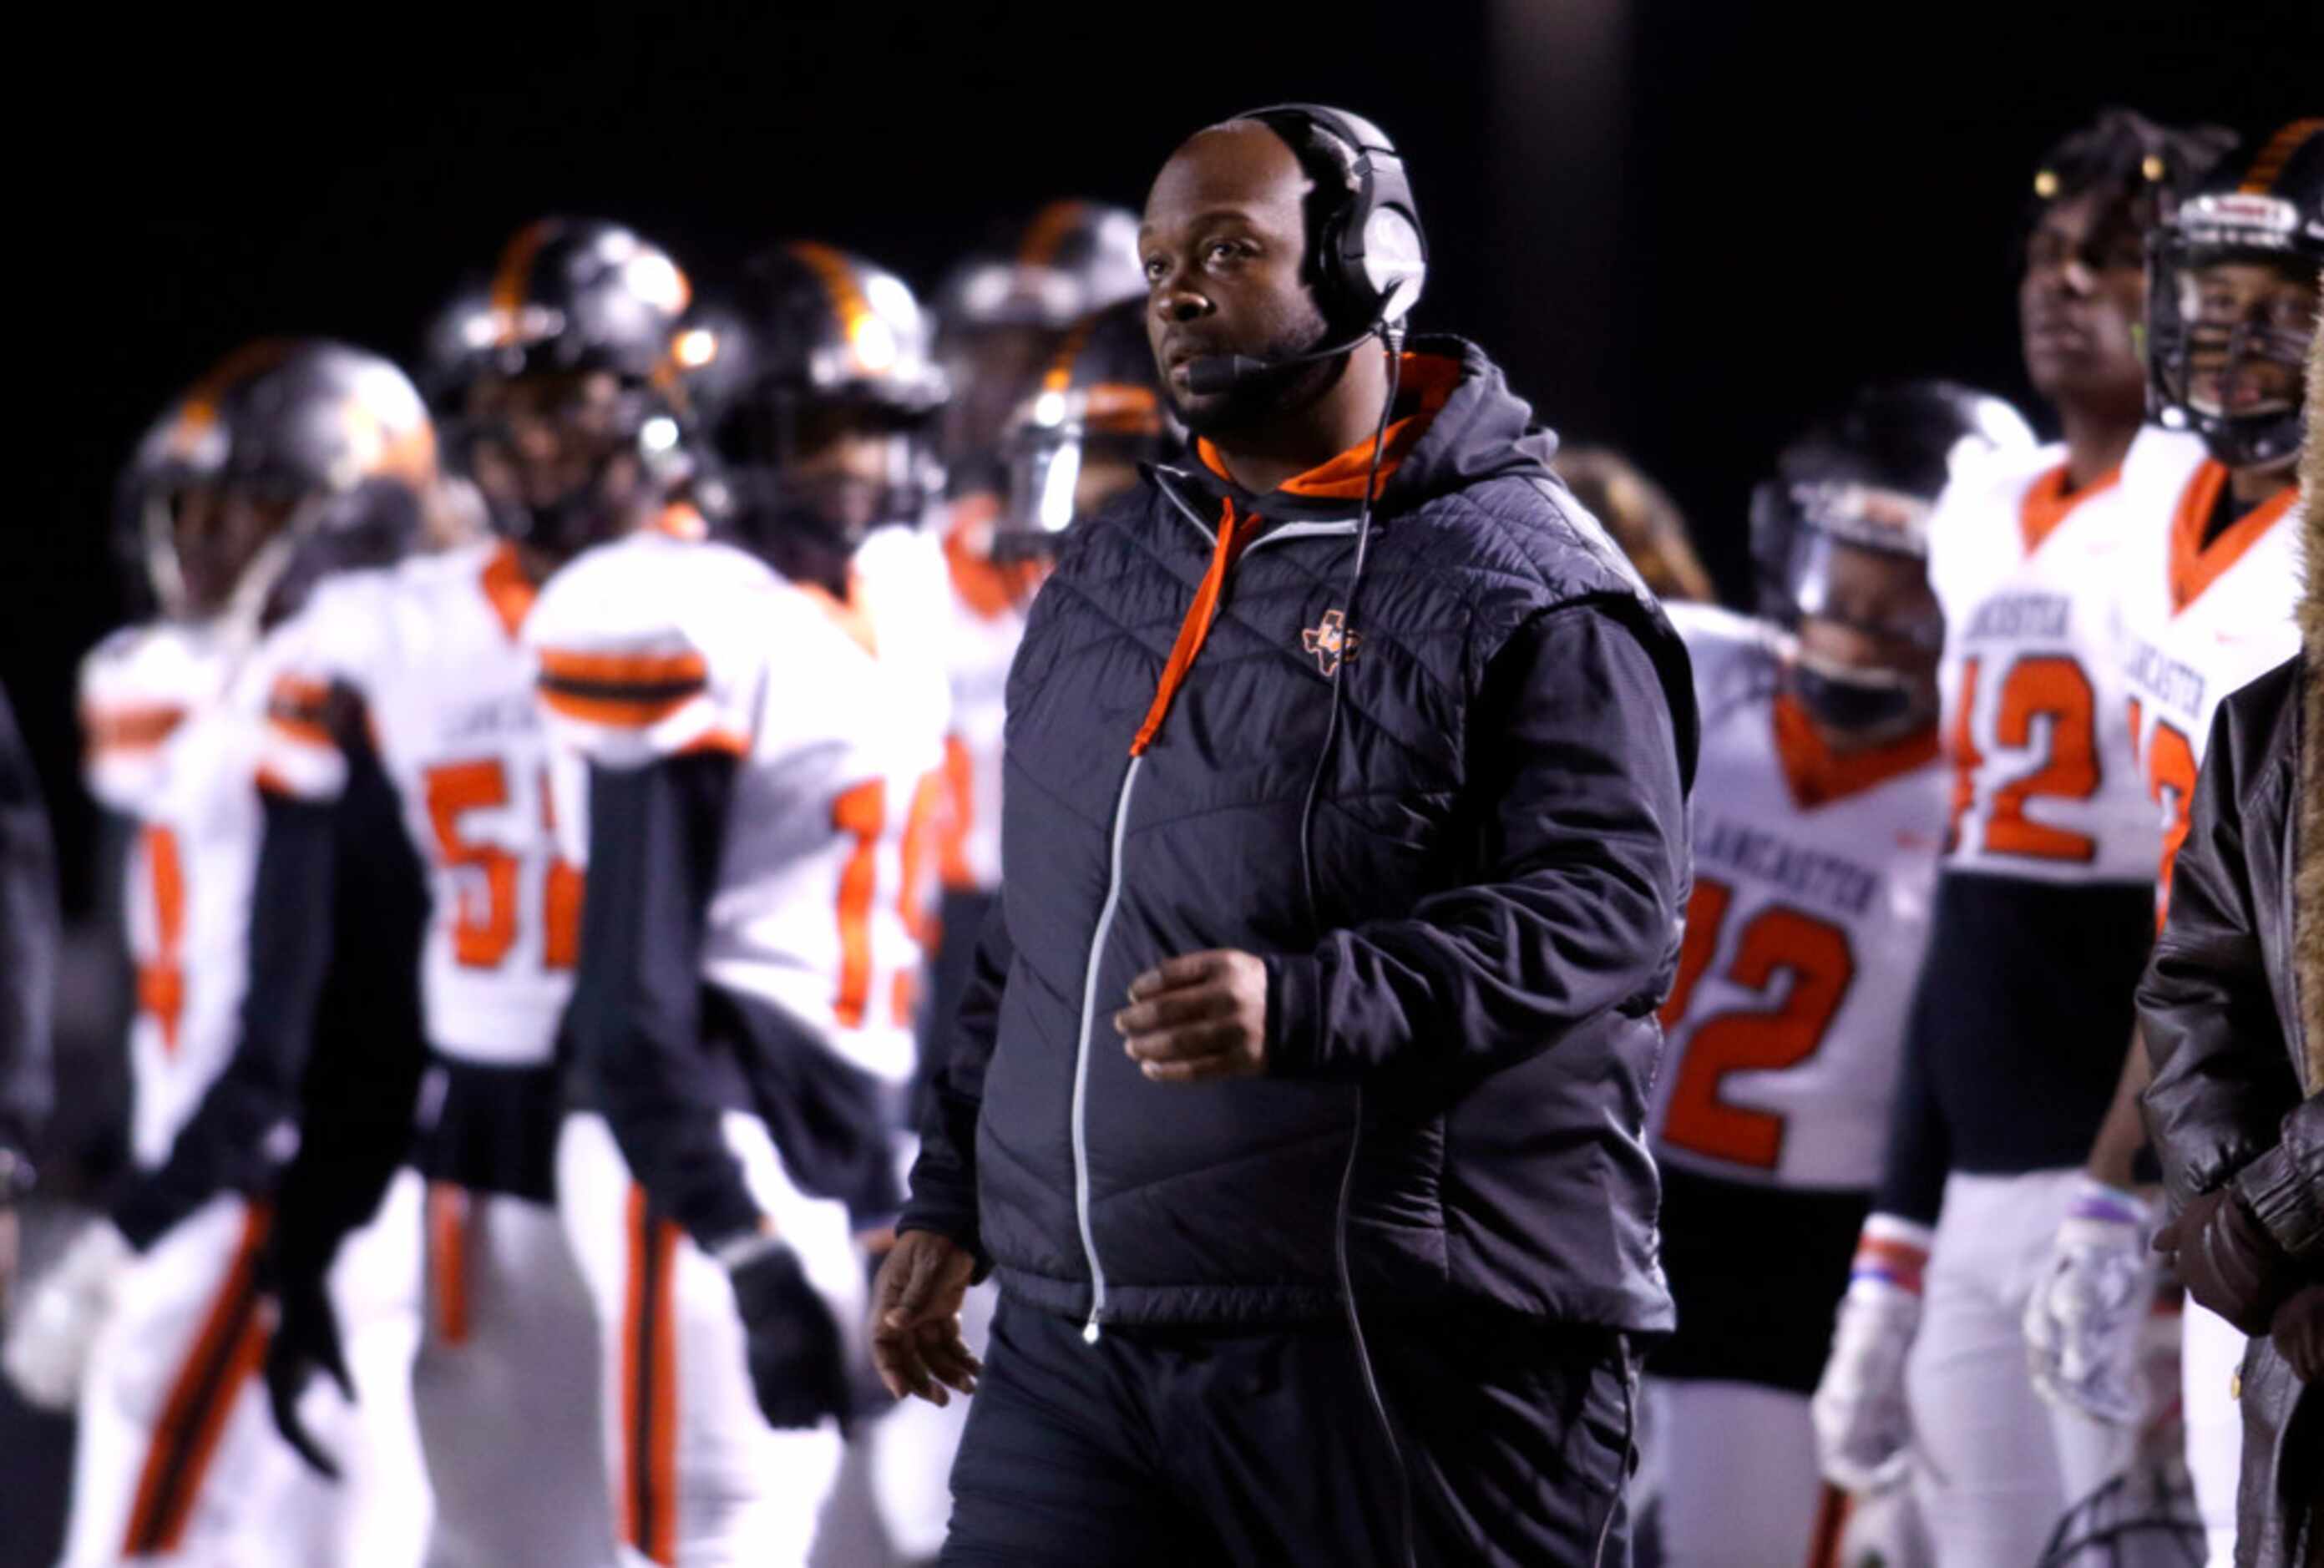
(916, 1341)
(1196, 1018)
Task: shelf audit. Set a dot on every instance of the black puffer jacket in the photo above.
(1501, 865)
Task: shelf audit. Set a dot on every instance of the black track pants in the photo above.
(1183, 1446)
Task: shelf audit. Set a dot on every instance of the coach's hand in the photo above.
(916, 1341)
(1197, 1018)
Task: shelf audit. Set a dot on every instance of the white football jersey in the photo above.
(1813, 875)
(2197, 621)
(432, 647)
(985, 622)
(2036, 731)
(653, 646)
(171, 715)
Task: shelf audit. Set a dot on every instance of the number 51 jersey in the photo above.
(431, 650)
(1813, 878)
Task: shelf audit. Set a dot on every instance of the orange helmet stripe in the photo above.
(2277, 153)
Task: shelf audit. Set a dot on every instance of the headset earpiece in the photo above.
(1371, 256)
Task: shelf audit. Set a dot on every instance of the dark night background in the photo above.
(1681, 226)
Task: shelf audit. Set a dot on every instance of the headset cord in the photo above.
(1392, 342)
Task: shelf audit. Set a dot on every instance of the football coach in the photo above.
(1297, 1099)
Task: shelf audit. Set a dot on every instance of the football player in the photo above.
(760, 722)
(290, 461)
(1818, 811)
(569, 425)
(2043, 909)
(1643, 519)
(2206, 607)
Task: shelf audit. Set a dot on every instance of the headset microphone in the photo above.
(1218, 373)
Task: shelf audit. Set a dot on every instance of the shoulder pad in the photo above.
(643, 648)
(137, 687)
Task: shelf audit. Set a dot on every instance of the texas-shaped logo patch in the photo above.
(1331, 643)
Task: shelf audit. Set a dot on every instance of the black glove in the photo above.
(306, 1339)
(2299, 1333)
(796, 1365)
(2228, 1260)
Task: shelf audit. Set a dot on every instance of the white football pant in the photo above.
(178, 1459)
(699, 1478)
(505, 1388)
(2210, 1358)
(1995, 1466)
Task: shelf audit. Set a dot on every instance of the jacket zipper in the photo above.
(1080, 1061)
(1120, 825)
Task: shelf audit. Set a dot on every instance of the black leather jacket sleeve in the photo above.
(944, 1177)
(1574, 905)
(635, 1020)
(2224, 1080)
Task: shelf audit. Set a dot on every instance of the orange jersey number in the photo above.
(162, 978)
(861, 812)
(2045, 698)
(2171, 770)
(485, 918)
(1816, 955)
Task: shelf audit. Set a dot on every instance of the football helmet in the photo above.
(817, 390)
(1854, 491)
(571, 418)
(2231, 302)
(1096, 414)
(291, 458)
(1000, 314)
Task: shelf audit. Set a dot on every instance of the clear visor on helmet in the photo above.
(1069, 451)
(1855, 555)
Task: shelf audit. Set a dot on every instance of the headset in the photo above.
(1368, 257)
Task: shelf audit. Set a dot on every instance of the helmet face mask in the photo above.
(2230, 346)
(203, 536)
(289, 460)
(2231, 304)
(558, 456)
(830, 471)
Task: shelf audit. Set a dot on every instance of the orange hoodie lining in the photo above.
(1234, 532)
(1427, 378)
(2048, 503)
(1818, 775)
(2195, 566)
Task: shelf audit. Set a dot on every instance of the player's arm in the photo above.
(243, 1129)
(1577, 909)
(655, 835)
